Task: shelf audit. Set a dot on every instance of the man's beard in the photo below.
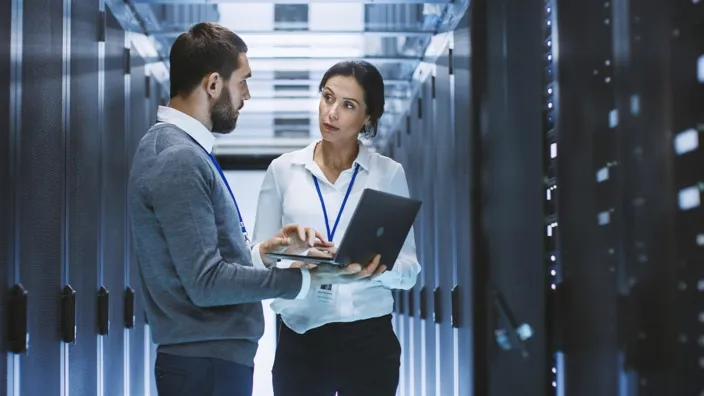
(223, 115)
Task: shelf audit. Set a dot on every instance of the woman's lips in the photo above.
(329, 127)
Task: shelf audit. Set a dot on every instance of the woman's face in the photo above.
(342, 112)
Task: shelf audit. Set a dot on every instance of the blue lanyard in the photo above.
(331, 234)
(239, 215)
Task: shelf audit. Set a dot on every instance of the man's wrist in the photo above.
(263, 254)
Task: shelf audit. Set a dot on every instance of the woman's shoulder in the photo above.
(286, 160)
(384, 163)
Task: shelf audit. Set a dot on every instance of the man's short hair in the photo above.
(204, 49)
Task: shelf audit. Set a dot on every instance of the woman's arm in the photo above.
(406, 269)
(268, 219)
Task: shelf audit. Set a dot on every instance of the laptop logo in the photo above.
(380, 232)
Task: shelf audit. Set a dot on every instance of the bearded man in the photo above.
(201, 288)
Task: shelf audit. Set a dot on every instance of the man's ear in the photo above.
(213, 85)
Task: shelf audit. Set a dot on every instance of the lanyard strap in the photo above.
(331, 234)
(222, 175)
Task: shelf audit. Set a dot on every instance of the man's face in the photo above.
(226, 108)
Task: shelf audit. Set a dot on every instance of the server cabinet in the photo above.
(463, 290)
(7, 132)
(508, 173)
(400, 296)
(83, 191)
(415, 136)
(140, 88)
(686, 110)
(114, 208)
(428, 215)
(41, 197)
(443, 203)
(590, 180)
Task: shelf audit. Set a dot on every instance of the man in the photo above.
(202, 293)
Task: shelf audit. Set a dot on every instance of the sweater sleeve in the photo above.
(181, 199)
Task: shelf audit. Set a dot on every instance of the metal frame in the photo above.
(173, 33)
(293, 1)
(507, 194)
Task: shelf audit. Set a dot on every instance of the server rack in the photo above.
(7, 133)
(65, 237)
(433, 320)
(83, 195)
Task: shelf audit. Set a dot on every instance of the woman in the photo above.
(338, 338)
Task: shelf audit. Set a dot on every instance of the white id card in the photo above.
(326, 295)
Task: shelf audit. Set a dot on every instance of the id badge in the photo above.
(325, 295)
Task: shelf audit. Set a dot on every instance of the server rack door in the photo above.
(415, 184)
(686, 109)
(421, 136)
(138, 126)
(514, 190)
(428, 213)
(589, 211)
(462, 318)
(401, 155)
(84, 193)
(114, 185)
(6, 187)
(41, 185)
(444, 196)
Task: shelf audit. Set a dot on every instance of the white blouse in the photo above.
(289, 196)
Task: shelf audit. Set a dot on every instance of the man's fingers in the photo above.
(301, 233)
(314, 252)
(311, 235)
(277, 242)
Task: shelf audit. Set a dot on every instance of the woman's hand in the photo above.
(293, 239)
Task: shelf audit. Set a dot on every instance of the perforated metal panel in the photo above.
(41, 183)
(6, 188)
(138, 126)
(83, 184)
(114, 183)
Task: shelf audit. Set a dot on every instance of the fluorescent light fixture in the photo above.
(311, 39)
(301, 52)
(312, 64)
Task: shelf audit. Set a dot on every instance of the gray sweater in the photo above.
(201, 293)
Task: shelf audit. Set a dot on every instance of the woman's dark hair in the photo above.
(369, 78)
(204, 49)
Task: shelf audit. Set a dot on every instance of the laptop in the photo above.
(379, 225)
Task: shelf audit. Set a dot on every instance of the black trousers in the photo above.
(190, 376)
(354, 359)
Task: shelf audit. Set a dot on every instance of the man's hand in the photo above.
(325, 274)
(292, 239)
(324, 252)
